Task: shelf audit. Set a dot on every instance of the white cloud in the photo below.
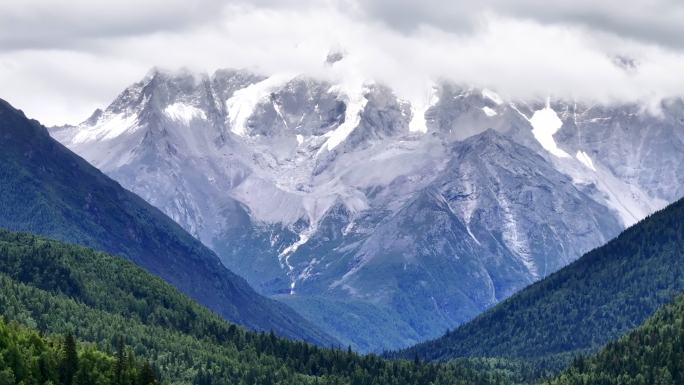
(63, 77)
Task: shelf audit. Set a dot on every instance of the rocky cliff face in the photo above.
(381, 220)
(46, 189)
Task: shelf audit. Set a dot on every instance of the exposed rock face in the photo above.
(47, 189)
(382, 221)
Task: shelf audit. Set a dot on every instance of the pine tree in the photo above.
(120, 365)
(69, 364)
(147, 376)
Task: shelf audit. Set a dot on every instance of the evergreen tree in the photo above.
(147, 376)
(120, 365)
(69, 365)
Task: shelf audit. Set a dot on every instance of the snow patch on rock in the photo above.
(585, 159)
(355, 100)
(545, 123)
(241, 105)
(184, 113)
(489, 111)
(418, 110)
(107, 127)
(491, 95)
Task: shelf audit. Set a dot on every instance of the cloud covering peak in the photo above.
(60, 59)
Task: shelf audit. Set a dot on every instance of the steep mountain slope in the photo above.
(47, 189)
(583, 306)
(634, 147)
(430, 268)
(361, 209)
(651, 354)
(60, 288)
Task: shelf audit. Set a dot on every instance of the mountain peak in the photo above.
(294, 180)
(76, 202)
(15, 120)
(334, 56)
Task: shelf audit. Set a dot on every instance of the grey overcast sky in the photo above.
(61, 59)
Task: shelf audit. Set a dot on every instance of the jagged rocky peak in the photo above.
(627, 140)
(335, 55)
(252, 105)
(226, 81)
(301, 106)
(383, 116)
(161, 88)
(490, 169)
(460, 111)
(94, 117)
(321, 193)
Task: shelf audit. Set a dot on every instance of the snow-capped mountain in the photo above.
(384, 221)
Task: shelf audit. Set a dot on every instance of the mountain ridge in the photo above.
(53, 287)
(583, 306)
(286, 177)
(48, 189)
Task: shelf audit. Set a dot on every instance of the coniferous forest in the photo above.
(28, 357)
(72, 315)
(61, 290)
(581, 308)
(651, 354)
(54, 294)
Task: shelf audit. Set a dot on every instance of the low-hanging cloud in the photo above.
(61, 59)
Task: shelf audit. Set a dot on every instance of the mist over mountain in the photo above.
(359, 192)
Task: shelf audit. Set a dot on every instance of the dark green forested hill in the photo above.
(653, 354)
(59, 288)
(127, 317)
(607, 292)
(28, 358)
(46, 189)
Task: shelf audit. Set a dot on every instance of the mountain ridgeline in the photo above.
(580, 308)
(72, 315)
(48, 190)
(135, 329)
(651, 354)
(384, 221)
